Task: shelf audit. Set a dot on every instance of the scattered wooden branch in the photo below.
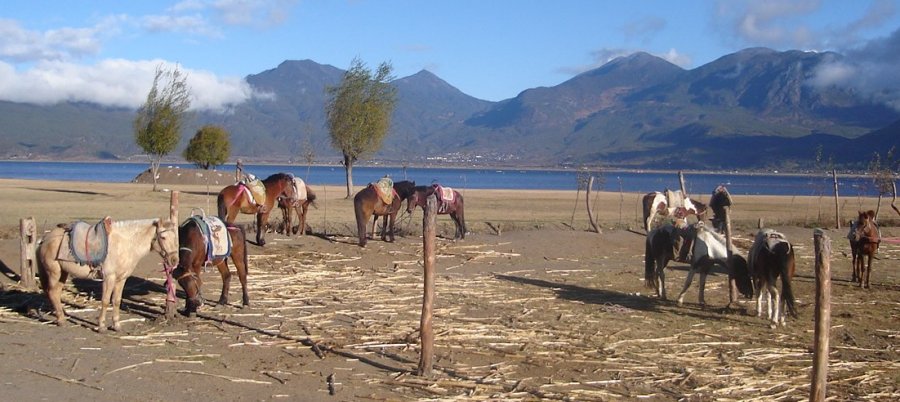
(66, 380)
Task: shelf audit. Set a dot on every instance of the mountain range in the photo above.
(753, 109)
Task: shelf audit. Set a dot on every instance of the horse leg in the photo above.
(459, 231)
(105, 297)
(687, 284)
(240, 265)
(118, 288)
(286, 219)
(761, 292)
(56, 279)
(222, 266)
(301, 216)
(261, 219)
(773, 304)
(868, 270)
(661, 278)
(703, 275)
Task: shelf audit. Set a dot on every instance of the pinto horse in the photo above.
(771, 257)
(194, 255)
(303, 197)
(237, 198)
(367, 203)
(708, 249)
(452, 205)
(864, 240)
(669, 203)
(128, 242)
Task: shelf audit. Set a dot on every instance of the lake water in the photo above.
(696, 183)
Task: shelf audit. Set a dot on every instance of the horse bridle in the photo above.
(162, 251)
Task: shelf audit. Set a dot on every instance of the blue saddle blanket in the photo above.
(87, 244)
(215, 235)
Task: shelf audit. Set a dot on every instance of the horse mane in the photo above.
(136, 223)
(278, 176)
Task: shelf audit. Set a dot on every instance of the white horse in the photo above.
(708, 249)
(771, 257)
(658, 204)
(129, 241)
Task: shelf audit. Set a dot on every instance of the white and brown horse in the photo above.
(707, 250)
(669, 204)
(129, 241)
(772, 257)
(302, 197)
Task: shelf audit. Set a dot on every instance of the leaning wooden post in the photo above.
(732, 279)
(28, 261)
(171, 300)
(837, 206)
(426, 330)
(681, 182)
(590, 211)
(823, 316)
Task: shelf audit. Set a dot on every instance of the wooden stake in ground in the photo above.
(681, 182)
(837, 207)
(171, 300)
(823, 316)
(894, 200)
(732, 280)
(28, 259)
(426, 331)
(587, 201)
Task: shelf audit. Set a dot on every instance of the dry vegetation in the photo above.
(541, 310)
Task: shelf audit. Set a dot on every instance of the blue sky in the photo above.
(106, 51)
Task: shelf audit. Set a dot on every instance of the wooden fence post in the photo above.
(28, 261)
(590, 211)
(837, 206)
(171, 300)
(426, 330)
(823, 316)
(681, 182)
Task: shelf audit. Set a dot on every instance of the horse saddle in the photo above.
(215, 235)
(675, 199)
(445, 197)
(86, 244)
(299, 189)
(257, 191)
(385, 189)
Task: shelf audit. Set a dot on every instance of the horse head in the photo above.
(191, 285)
(405, 188)
(166, 241)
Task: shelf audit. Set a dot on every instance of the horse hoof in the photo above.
(101, 329)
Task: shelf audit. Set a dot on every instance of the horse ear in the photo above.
(107, 223)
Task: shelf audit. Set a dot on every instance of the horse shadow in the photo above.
(587, 295)
(56, 190)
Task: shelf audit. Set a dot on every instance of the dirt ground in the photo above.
(529, 306)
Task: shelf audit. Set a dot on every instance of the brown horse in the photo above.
(864, 241)
(301, 200)
(720, 199)
(128, 242)
(771, 257)
(447, 204)
(367, 203)
(661, 247)
(194, 254)
(237, 198)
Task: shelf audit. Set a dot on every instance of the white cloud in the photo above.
(606, 55)
(870, 69)
(113, 82)
(678, 59)
(22, 45)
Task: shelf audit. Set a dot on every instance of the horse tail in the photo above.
(222, 208)
(361, 219)
(785, 254)
(649, 263)
(311, 197)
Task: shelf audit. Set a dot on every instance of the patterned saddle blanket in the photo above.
(215, 235)
(384, 187)
(445, 197)
(256, 190)
(86, 244)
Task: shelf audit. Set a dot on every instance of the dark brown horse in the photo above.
(449, 203)
(303, 197)
(661, 247)
(771, 257)
(368, 203)
(237, 198)
(194, 254)
(864, 241)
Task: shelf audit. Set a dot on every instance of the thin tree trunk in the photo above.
(894, 200)
(348, 169)
(587, 201)
(154, 169)
(837, 207)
